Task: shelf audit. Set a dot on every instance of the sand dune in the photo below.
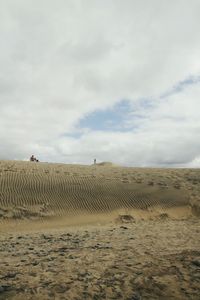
(42, 191)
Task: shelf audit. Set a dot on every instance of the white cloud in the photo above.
(167, 134)
(60, 60)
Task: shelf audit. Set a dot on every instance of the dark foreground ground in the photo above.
(144, 260)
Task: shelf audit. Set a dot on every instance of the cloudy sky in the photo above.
(115, 80)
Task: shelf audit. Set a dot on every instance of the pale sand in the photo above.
(98, 232)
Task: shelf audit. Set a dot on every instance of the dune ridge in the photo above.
(45, 190)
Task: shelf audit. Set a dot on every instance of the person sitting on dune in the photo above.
(33, 158)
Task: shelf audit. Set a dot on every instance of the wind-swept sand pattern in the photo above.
(98, 232)
(39, 190)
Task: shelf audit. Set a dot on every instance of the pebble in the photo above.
(123, 227)
(196, 263)
(4, 288)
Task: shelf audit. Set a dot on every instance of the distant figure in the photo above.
(33, 158)
(95, 161)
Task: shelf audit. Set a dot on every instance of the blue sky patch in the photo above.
(112, 119)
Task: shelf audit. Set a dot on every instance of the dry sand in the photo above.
(98, 232)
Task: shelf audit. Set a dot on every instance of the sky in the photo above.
(115, 80)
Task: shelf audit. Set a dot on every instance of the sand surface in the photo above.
(98, 232)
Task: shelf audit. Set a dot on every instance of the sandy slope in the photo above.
(43, 191)
(134, 233)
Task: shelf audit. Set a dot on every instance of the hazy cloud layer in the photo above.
(60, 61)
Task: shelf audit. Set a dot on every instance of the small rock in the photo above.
(135, 297)
(68, 234)
(10, 275)
(123, 227)
(62, 288)
(150, 183)
(34, 274)
(76, 241)
(5, 288)
(196, 263)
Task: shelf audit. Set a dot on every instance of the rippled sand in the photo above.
(98, 232)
